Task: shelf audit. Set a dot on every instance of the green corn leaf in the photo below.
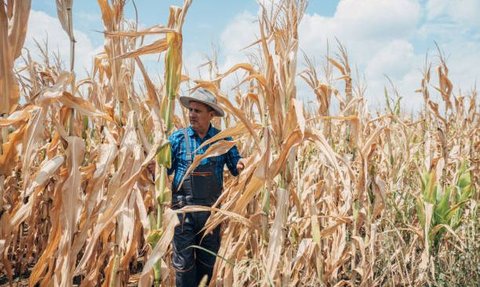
(164, 155)
(173, 73)
(464, 180)
(429, 187)
(465, 187)
(397, 106)
(230, 262)
(454, 214)
(154, 237)
(441, 209)
(420, 211)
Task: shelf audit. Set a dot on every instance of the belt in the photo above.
(202, 173)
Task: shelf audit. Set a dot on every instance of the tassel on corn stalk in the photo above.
(65, 15)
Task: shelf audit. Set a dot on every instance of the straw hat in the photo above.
(203, 96)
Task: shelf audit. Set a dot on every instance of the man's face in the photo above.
(200, 116)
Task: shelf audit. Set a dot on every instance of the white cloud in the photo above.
(376, 19)
(237, 35)
(377, 35)
(460, 11)
(392, 38)
(395, 59)
(463, 61)
(383, 38)
(234, 38)
(43, 27)
(451, 21)
(362, 22)
(455, 26)
(269, 5)
(242, 31)
(436, 8)
(194, 63)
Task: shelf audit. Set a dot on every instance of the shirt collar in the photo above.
(210, 132)
(190, 131)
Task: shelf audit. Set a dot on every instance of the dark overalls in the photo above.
(199, 188)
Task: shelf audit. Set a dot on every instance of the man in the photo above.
(202, 187)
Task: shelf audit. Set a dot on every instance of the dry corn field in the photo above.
(330, 196)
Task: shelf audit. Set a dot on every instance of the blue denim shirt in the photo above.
(179, 155)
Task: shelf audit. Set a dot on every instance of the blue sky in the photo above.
(383, 38)
(203, 26)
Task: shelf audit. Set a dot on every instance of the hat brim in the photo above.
(185, 101)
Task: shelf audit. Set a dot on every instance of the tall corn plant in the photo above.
(173, 74)
(283, 126)
(52, 108)
(13, 30)
(13, 24)
(163, 109)
(279, 45)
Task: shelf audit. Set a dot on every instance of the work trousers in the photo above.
(191, 263)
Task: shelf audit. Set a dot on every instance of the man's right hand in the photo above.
(241, 165)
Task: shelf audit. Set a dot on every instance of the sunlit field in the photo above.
(334, 194)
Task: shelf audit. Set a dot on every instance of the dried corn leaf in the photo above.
(208, 226)
(259, 177)
(157, 29)
(83, 106)
(13, 27)
(9, 149)
(47, 170)
(226, 104)
(277, 234)
(151, 92)
(64, 12)
(292, 140)
(157, 46)
(295, 118)
(49, 253)
(71, 197)
(216, 149)
(238, 130)
(17, 116)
